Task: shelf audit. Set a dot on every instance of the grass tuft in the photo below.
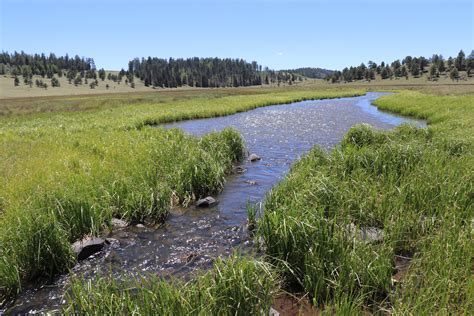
(235, 286)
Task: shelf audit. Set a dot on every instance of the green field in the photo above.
(65, 174)
(70, 164)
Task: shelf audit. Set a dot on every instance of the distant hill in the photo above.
(310, 72)
(40, 71)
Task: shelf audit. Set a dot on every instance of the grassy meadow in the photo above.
(66, 173)
(9, 90)
(68, 165)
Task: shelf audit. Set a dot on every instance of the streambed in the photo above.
(192, 238)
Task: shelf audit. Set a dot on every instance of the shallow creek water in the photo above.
(192, 238)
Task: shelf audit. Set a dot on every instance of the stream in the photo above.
(192, 238)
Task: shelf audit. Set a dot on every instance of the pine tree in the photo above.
(102, 74)
(450, 62)
(55, 82)
(404, 72)
(454, 74)
(415, 69)
(470, 63)
(441, 65)
(433, 71)
(78, 80)
(460, 61)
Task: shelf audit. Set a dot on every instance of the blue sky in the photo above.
(279, 34)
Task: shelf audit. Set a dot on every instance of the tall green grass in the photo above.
(66, 174)
(54, 198)
(415, 185)
(234, 286)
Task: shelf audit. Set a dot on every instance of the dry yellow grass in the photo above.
(8, 89)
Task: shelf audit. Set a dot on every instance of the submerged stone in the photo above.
(206, 202)
(254, 157)
(239, 169)
(87, 247)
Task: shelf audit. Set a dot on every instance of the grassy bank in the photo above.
(65, 174)
(339, 224)
(383, 223)
(336, 228)
(55, 197)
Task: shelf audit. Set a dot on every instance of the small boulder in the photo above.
(190, 257)
(239, 170)
(273, 312)
(372, 234)
(87, 247)
(206, 202)
(366, 234)
(118, 223)
(251, 182)
(111, 241)
(254, 157)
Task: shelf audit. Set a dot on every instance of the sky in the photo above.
(280, 34)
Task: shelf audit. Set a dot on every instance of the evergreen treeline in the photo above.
(196, 72)
(206, 72)
(310, 72)
(156, 72)
(28, 65)
(415, 66)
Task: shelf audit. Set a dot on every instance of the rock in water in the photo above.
(206, 202)
(254, 157)
(87, 247)
(239, 170)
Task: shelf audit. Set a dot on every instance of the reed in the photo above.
(235, 286)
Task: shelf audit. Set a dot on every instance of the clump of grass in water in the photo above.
(235, 286)
(9, 276)
(254, 211)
